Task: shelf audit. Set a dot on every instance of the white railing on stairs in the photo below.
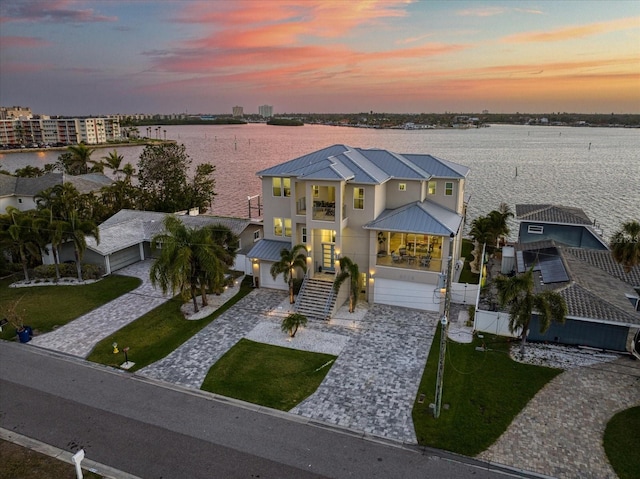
(300, 294)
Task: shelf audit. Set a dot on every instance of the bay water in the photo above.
(596, 169)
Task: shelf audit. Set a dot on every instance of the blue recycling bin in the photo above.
(25, 334)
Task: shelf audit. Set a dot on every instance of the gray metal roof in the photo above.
(552, 214)
(366, 166)
(268, 250)
(419, 217)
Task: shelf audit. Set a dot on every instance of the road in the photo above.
(159, 431)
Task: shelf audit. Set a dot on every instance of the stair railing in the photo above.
(300, 294)
(327, 306)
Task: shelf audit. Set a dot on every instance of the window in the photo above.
(535, 229)
(19, 200)
(256, 235)
(287, 227)
(402, 187)
(431, 188)
(303, 235)
(316, 190)
(281, 186)
(358, 198)
(277, 226)
(448, 188)
(277, 186)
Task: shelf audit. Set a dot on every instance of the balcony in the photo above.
(324, 210)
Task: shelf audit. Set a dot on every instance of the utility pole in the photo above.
(444, 322)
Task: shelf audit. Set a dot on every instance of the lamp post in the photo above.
(444, 322)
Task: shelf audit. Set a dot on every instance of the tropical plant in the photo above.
(290, 259)
(19, 235)
(76, 230)
(113, 160)
(518, 295)
(292, 322)
(481, 230)
(80, 159)
(348, 270)
(13, 314)
(625, 245)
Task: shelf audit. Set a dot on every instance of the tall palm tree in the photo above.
(222, 246)
(51, 230)
(290, 259)
(348, 270)
(80, 158)
(625, 245)
(481, 230)
(76, 230)
(129, 172)
(517, 293)
(113, 160)
(18, 234)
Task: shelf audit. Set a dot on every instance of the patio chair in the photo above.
(395, 258)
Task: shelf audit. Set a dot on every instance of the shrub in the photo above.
(68, 270)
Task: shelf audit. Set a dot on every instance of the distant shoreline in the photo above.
(98, 146)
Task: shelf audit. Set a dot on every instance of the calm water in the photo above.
(596, 169)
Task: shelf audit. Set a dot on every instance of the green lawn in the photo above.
(157, 333)
(484, 391)
(622, 443)
(48, 307)
(271, 376)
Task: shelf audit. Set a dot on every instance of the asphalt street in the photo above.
(154, 430)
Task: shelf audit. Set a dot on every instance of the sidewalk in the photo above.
(80, 336)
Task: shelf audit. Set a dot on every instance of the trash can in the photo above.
(25, 334)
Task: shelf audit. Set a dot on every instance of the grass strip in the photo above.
(159, 332)
(48, 307)
(622, 443)
(267, 375)
(483, 391)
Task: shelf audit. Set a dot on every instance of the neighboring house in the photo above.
(20, 192)
(125, 238)
(398, 216)
(603, 301)
(563, 224)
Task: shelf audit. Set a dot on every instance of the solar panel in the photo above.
(552, 270)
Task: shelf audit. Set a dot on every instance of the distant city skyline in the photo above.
(88, 57)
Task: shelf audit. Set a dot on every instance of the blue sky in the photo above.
(79, 57)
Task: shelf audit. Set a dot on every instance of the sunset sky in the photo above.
(77, 57)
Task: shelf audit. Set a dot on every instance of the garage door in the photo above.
(406, 294)
(267, 281)
(124, 257)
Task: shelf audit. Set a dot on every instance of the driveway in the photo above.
(559, 433)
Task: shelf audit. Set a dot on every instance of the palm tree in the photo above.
(291, 323)
(113, 160)
(221, 249)
(517, 293)
(290, 259)
(348, 270)
(18, 234)
(52, 232)
(76, 230)
(129, 172)
(481, 230)
(80, 158)
(625, 245)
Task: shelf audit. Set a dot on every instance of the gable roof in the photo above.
(11, 185)
(421, 217)
(552, 214)
(365, 166)
(130, 227)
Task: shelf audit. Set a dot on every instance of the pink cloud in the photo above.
(570, 33)
(15, 67)
(23, 42)
(54, 11)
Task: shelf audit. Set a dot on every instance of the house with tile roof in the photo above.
(398, 216)
(20, 192)
(125, 238)
(563, 224)
(603, 300)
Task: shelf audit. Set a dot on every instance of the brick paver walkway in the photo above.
(559, 433)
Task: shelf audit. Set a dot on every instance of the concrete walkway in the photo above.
(80, 336)
(559, 433)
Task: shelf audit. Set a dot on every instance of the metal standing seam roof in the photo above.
(420, 218)
(366, 166)
(268, 250)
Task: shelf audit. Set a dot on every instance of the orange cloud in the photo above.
(570, 33)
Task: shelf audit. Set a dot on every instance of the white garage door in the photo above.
(124, 257)
(267, 281)
(408, 295)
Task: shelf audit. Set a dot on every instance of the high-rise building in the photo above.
(265, 111)
(238, 111)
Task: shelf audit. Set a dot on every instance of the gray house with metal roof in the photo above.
(125, 238)
(398, 216)
(20, 192)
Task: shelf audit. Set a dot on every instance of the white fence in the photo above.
(463, 293)
(493, 322)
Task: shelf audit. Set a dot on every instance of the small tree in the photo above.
(625, 245)
(291, 323)
(348, 270)
(14, 316)
(290, 259)
(517, 293)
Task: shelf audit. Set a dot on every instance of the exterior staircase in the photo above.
(316, 298)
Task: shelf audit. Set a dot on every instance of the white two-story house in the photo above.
(398, 216)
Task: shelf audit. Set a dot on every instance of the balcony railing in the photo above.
(324, 210)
